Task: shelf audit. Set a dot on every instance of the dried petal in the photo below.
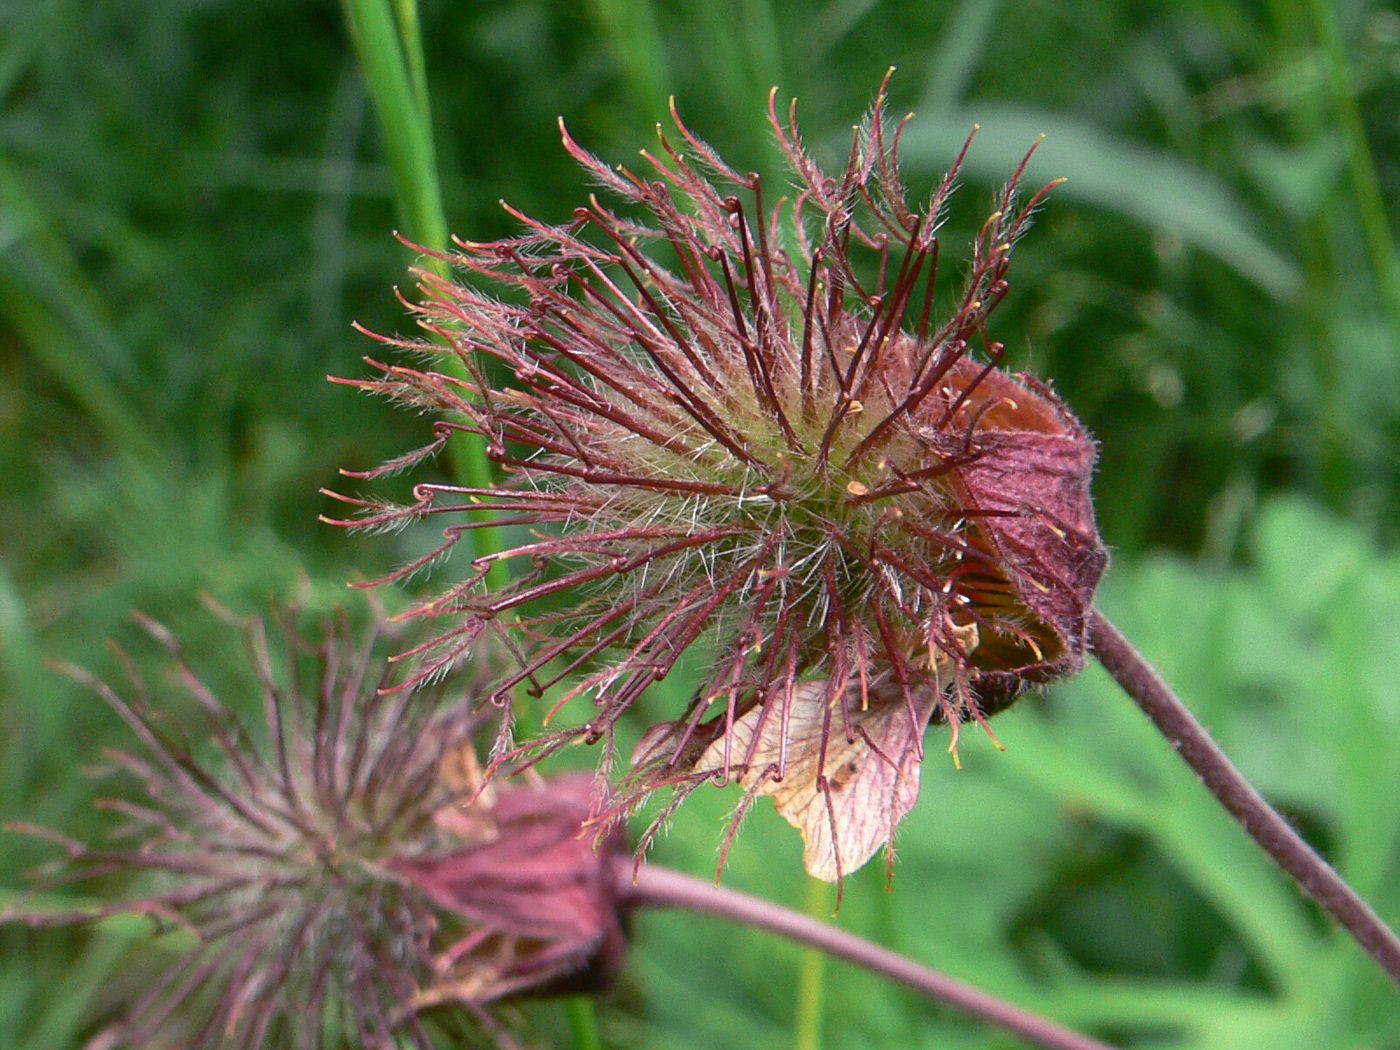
(845, 791)
(538, 894)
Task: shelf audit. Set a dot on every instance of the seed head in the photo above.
(336, 881)
(738, 425)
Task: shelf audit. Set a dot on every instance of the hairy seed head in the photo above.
(308, 871)
(736, 422)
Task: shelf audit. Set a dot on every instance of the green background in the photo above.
(197, 197)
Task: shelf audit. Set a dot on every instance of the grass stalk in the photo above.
(583, 1023)
(811, 977)
(1361, 164)
(388, 44)
(635, 35)
(411, 33)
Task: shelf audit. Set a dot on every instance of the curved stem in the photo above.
(1187, 736)
(659, 887)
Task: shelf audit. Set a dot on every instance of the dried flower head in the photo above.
(537, 888)
(340, 878)
(741, 426)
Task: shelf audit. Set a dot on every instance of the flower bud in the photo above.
(535, 887)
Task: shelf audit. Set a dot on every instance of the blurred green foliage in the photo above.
(196, 199)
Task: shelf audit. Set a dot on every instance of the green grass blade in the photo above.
(636, 39)
(411, 32)
(583, 1023)
(1154, 188)
(1361, 165)
(389, 47)
(811, 978)
(959, 50)
(47, 298)
(403, 121)
(21, 43)
(62, 1022)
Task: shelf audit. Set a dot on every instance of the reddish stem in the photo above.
(660, 887)
(1187, 736)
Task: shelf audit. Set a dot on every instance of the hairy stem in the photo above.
(660, 887)
(1188, 737)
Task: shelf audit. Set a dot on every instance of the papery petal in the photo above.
(845, 794)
